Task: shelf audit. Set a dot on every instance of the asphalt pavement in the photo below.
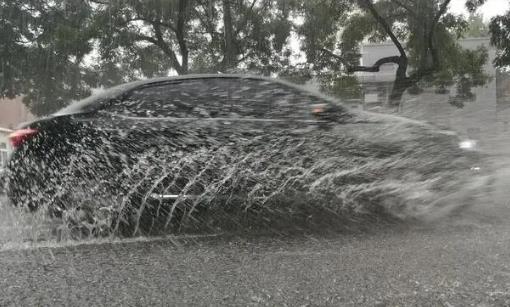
(460, 266)
(458, 261)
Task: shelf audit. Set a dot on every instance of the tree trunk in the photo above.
(229, 52)
(181, 36)
(401, 83)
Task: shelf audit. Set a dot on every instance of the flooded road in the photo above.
(459, 260)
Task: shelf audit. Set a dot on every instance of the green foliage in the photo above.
(42, 47)
(158, 37)
(53, 52)
(143, 37)
(499, 29)
(299, 74)
(468, 71)
(472, 5)
(342, 86)
(476, 27)
(323, 20)
(500, 37)
(358, 27)
(322, 27)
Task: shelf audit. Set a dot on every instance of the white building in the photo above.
(4, 145)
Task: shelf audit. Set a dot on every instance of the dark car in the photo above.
(237, 142)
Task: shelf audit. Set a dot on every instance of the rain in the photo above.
(254, 152)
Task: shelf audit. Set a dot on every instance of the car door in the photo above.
(164, 135)
(282, 137)
(205, 139)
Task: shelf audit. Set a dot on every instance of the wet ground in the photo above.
(460, 260)
(465, 264)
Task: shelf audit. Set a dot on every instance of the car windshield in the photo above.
(255, 152)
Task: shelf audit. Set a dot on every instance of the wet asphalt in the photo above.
(464, 265)
(463, 260)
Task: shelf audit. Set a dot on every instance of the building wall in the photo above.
(4, 146)
(13, 112)
(371, 53)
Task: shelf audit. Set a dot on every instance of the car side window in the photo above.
(217, 98)
(272, 100)
(199, 98)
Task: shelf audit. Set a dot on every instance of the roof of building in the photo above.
(390, 43)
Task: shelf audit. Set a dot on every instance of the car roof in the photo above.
(94, 101)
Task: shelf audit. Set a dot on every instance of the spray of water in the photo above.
(400, 170)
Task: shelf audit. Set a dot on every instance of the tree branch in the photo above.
(99, 2)
(167, 49)
(433, 27)
(149, 21)
(442, 10)
(336, 56)
(369, 5)
(406, 7)
(244, 22)
(374, 68)
(205, 21)
(146, 38)
(168, 25)
(377, 65)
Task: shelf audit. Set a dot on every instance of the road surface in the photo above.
(459, 266)
(463, 260)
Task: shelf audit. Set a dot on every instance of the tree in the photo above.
(145, 38)
(476, 26)
(42, 50)
(500, 38)
(243, 35)
(323, 21)
(424, 34)
(191, 35)
(499, 28)
(55, 51)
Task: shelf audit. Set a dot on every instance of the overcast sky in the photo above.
(489, 9)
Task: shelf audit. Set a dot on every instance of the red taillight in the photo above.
(19, 137)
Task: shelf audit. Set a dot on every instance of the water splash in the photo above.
(272, 178)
